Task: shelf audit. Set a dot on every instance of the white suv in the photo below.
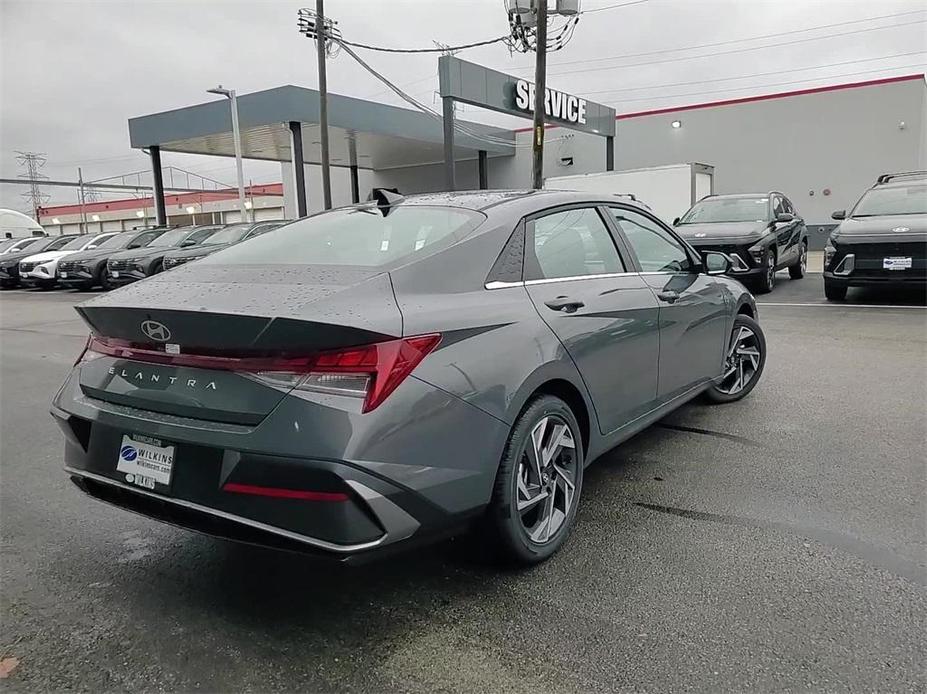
(41, 270)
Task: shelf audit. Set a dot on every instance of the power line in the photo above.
(612, 7)
(758, 74)
(693, 47)
(728, 42)
(738, 50)
(436, 49)
(770, 84)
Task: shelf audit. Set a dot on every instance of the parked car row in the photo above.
(112, 259)
(882, 241)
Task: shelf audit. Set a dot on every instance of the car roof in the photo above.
(484, 199)
(743, 195)
(901, 180)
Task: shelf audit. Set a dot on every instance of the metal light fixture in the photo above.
(236, 136)
(95, 217)
(191, 209)
(676, 124)
(139, 213)
(55, 220)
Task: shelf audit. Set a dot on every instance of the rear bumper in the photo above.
(391, 490)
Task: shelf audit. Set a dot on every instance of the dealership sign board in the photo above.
(481, 86)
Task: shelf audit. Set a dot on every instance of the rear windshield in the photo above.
(888, 201)
(357, 236)
(728, 210)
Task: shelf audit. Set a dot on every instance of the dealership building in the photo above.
(822, 147)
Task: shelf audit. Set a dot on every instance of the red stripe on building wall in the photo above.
(181, 200)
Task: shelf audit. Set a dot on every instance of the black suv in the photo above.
(132, 265)
(883, 240)
(761, 232)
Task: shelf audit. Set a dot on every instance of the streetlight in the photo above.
(236, 135)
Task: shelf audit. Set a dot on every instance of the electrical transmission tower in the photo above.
(32, 162)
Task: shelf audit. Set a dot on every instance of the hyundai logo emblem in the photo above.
(128, 453)
(901, 230)
(156, 331)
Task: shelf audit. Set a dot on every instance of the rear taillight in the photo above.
(370, 372)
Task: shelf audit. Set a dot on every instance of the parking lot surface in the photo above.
(776, 543)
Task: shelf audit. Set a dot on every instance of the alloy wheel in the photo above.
(742, 362)
(546, 481)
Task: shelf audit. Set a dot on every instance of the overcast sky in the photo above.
(72, 73)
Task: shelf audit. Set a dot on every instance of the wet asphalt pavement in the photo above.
(773, 544)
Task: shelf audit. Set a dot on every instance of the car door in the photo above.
(602, 311)
(693, 313)
(785, 249)
(793, 244)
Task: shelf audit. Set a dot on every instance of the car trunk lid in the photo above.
(225, 320)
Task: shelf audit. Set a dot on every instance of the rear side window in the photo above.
(572, 243)
(356, 236)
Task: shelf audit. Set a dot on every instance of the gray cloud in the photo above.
(72, 73)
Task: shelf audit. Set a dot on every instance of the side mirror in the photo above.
(133, 245)
(188, 243)
(785, 217)
(839, 214)
(91, 246)
(716, 262)
(676, 221)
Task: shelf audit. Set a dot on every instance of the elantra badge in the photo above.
(156, 331)
(901, 230)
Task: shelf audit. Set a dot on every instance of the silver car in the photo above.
(393, 371)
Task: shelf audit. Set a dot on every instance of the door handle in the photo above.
(565, 304)
(669, 296)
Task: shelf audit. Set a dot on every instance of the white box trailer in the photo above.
(667, 190)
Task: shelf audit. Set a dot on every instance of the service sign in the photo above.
(487, 88)
(557, 105)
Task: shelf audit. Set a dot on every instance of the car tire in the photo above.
(745, 358)
(834, 291)
(798, 270)
(765, 283)
(533, 508)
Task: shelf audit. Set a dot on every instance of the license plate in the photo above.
(896, 263)
(145, 462)
(115, 273)
(64, 275)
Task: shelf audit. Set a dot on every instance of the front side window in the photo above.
(777, 206)
(356, 236)
(710, 210)
(573, 243)
(229, 234)
(656, 249)
(77, 244)
(891, 201)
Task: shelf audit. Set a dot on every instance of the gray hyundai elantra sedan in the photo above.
(387, 373)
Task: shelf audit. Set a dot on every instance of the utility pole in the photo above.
(540, 89)
(323, 104)
(83, 213)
